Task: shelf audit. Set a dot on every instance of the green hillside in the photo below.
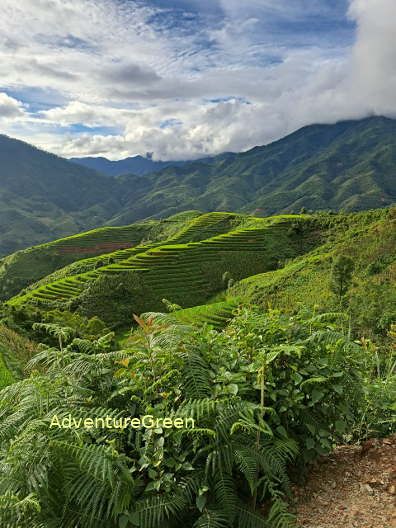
(280, 344)
(43, 196)
(184, 273)
(192, 259)
(345, 166)
(28, 266)
(369, 240)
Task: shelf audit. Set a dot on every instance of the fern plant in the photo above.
(264, 394)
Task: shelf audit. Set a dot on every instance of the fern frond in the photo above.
(226, 496)
(247, 518)
(248, 463)
(154, 511)
(196, 375)
(279, 516)
(212, 519)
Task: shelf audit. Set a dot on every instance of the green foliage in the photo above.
(377, 412)
(170, 307)
(341, 276)
(369, 240)
(15, 351)
(266, 392)
(6, 377)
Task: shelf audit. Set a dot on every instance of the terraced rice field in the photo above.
(106, 238)
(205, 226)
(216, 315)
(167, 267)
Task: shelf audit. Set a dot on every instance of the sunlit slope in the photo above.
(187, 226)
(28, 266)
(187, 274)
(216, 314)
(369, 239)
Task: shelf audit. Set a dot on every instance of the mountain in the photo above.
(350, 165)
(135, 165)
(43, 196)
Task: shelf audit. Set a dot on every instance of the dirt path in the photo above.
(354, 487)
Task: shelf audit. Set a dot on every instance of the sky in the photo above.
(183, 79)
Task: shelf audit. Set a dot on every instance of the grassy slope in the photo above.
(185, 273)
(370, 239)
(28, 266)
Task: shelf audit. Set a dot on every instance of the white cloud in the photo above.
(115, 68)
(10, 108)
(90, 115)
(373, 66)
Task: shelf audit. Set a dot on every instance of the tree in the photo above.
(341, 276)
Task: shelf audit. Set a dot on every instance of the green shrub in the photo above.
(267, 392)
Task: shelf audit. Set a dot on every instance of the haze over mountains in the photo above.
(350, 165)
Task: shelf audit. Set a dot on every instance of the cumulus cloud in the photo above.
(220, 83)
(373, 64)
(90, 115)
(10, 108)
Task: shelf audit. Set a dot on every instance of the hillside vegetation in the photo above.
(193, 258)
(345, 166)
(25, 267)
(186, 273)
(369, 240)
(279, 343)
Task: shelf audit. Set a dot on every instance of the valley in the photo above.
(274, 334)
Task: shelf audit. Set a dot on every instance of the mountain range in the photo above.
(135, 165)
(350, 165)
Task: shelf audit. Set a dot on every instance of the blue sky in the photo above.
(188, 78)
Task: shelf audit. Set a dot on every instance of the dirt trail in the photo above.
(354, 487)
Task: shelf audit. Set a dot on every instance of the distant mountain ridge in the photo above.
(44, 196)
(350, 165)
(134, 165)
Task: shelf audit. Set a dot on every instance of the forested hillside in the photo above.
(43, 196)
(346, 166)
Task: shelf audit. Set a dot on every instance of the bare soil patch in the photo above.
(353, 487)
